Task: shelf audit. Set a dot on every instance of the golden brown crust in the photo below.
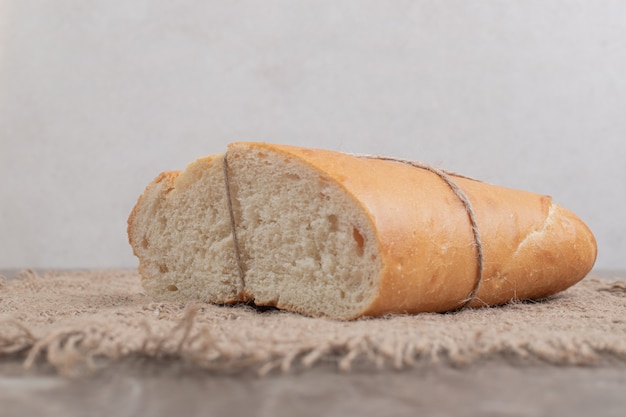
(531, 247)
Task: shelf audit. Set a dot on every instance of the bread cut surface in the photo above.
(330, 234)
(306, 244)
(180, 231)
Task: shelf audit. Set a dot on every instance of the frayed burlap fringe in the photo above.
(83, 321)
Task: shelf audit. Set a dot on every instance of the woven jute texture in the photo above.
(87, 320)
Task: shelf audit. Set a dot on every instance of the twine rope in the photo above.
(446, 177)
(229, 200)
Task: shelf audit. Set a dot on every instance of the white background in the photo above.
(99, 96)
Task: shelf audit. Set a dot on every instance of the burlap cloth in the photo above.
(89, 320)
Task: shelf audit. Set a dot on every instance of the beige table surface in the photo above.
(485, 389)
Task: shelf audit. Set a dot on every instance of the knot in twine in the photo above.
(446, 177)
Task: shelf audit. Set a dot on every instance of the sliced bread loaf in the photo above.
(330, 234)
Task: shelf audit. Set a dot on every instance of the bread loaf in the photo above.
(330, 234)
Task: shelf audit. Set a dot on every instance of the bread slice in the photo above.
(180, 231)
(329, 234)
(306, 243)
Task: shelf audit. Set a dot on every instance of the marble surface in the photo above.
(493, 389)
